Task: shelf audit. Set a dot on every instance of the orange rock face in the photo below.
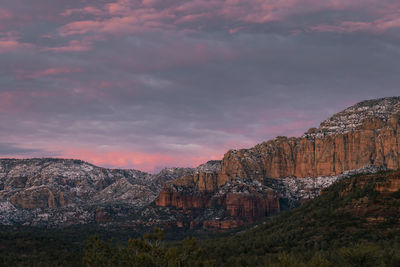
(241, 204)
(375, 143)
(181, 200)
(364, 134)
(200, 181)
(251, 206)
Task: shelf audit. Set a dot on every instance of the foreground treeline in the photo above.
(350, 224)
(151, 251)
(147, 251)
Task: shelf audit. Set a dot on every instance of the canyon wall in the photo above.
(366, 134)
(375, 142)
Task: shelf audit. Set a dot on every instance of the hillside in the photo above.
(52, 193)
(60, 192)
(360, 213)
(355, 222)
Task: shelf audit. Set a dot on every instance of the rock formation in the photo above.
(363, 138)
(364, 134)
(242, 188)
(61, 191)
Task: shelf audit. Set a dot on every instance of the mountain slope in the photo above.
(355, 222)
(63, 192)
(362, 209)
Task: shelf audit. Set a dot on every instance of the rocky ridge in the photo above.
(62, 192)
(365, 134)
(352, 118)
(243, 187)
(287, 171)
(57, 192)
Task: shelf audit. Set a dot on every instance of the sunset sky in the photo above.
(155, 83)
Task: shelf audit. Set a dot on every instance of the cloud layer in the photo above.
(155, 83)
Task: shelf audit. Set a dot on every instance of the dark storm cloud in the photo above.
(151, 83)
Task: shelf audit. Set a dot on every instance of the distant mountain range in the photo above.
(245, 186)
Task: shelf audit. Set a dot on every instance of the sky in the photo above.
(148, 84)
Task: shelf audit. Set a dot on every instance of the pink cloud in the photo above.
(50, 72)
(388, 23)
(343, 27)
(5, 14)
(127, 17)
(86, 10)
(119, 7)
(6, 101)
(143, 161)
(138, 20)
(72, 46)
(19, 102)
(192, 18)
(377, 26)
(80, 27)
(10, 43)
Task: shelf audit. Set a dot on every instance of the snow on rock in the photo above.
(63, 191)
(295, 190)
(352, 117)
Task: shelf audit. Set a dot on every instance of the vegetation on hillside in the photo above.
(350, 224)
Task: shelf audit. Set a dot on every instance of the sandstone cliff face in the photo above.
(373, 139)
(236, 203)
(251, 206)
(242, 199)
(366, 134)
(169, 196)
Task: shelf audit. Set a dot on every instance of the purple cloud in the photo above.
(144, 84)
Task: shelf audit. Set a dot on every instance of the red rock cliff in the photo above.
(364, 134)
(373, 141)
(169, 196)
